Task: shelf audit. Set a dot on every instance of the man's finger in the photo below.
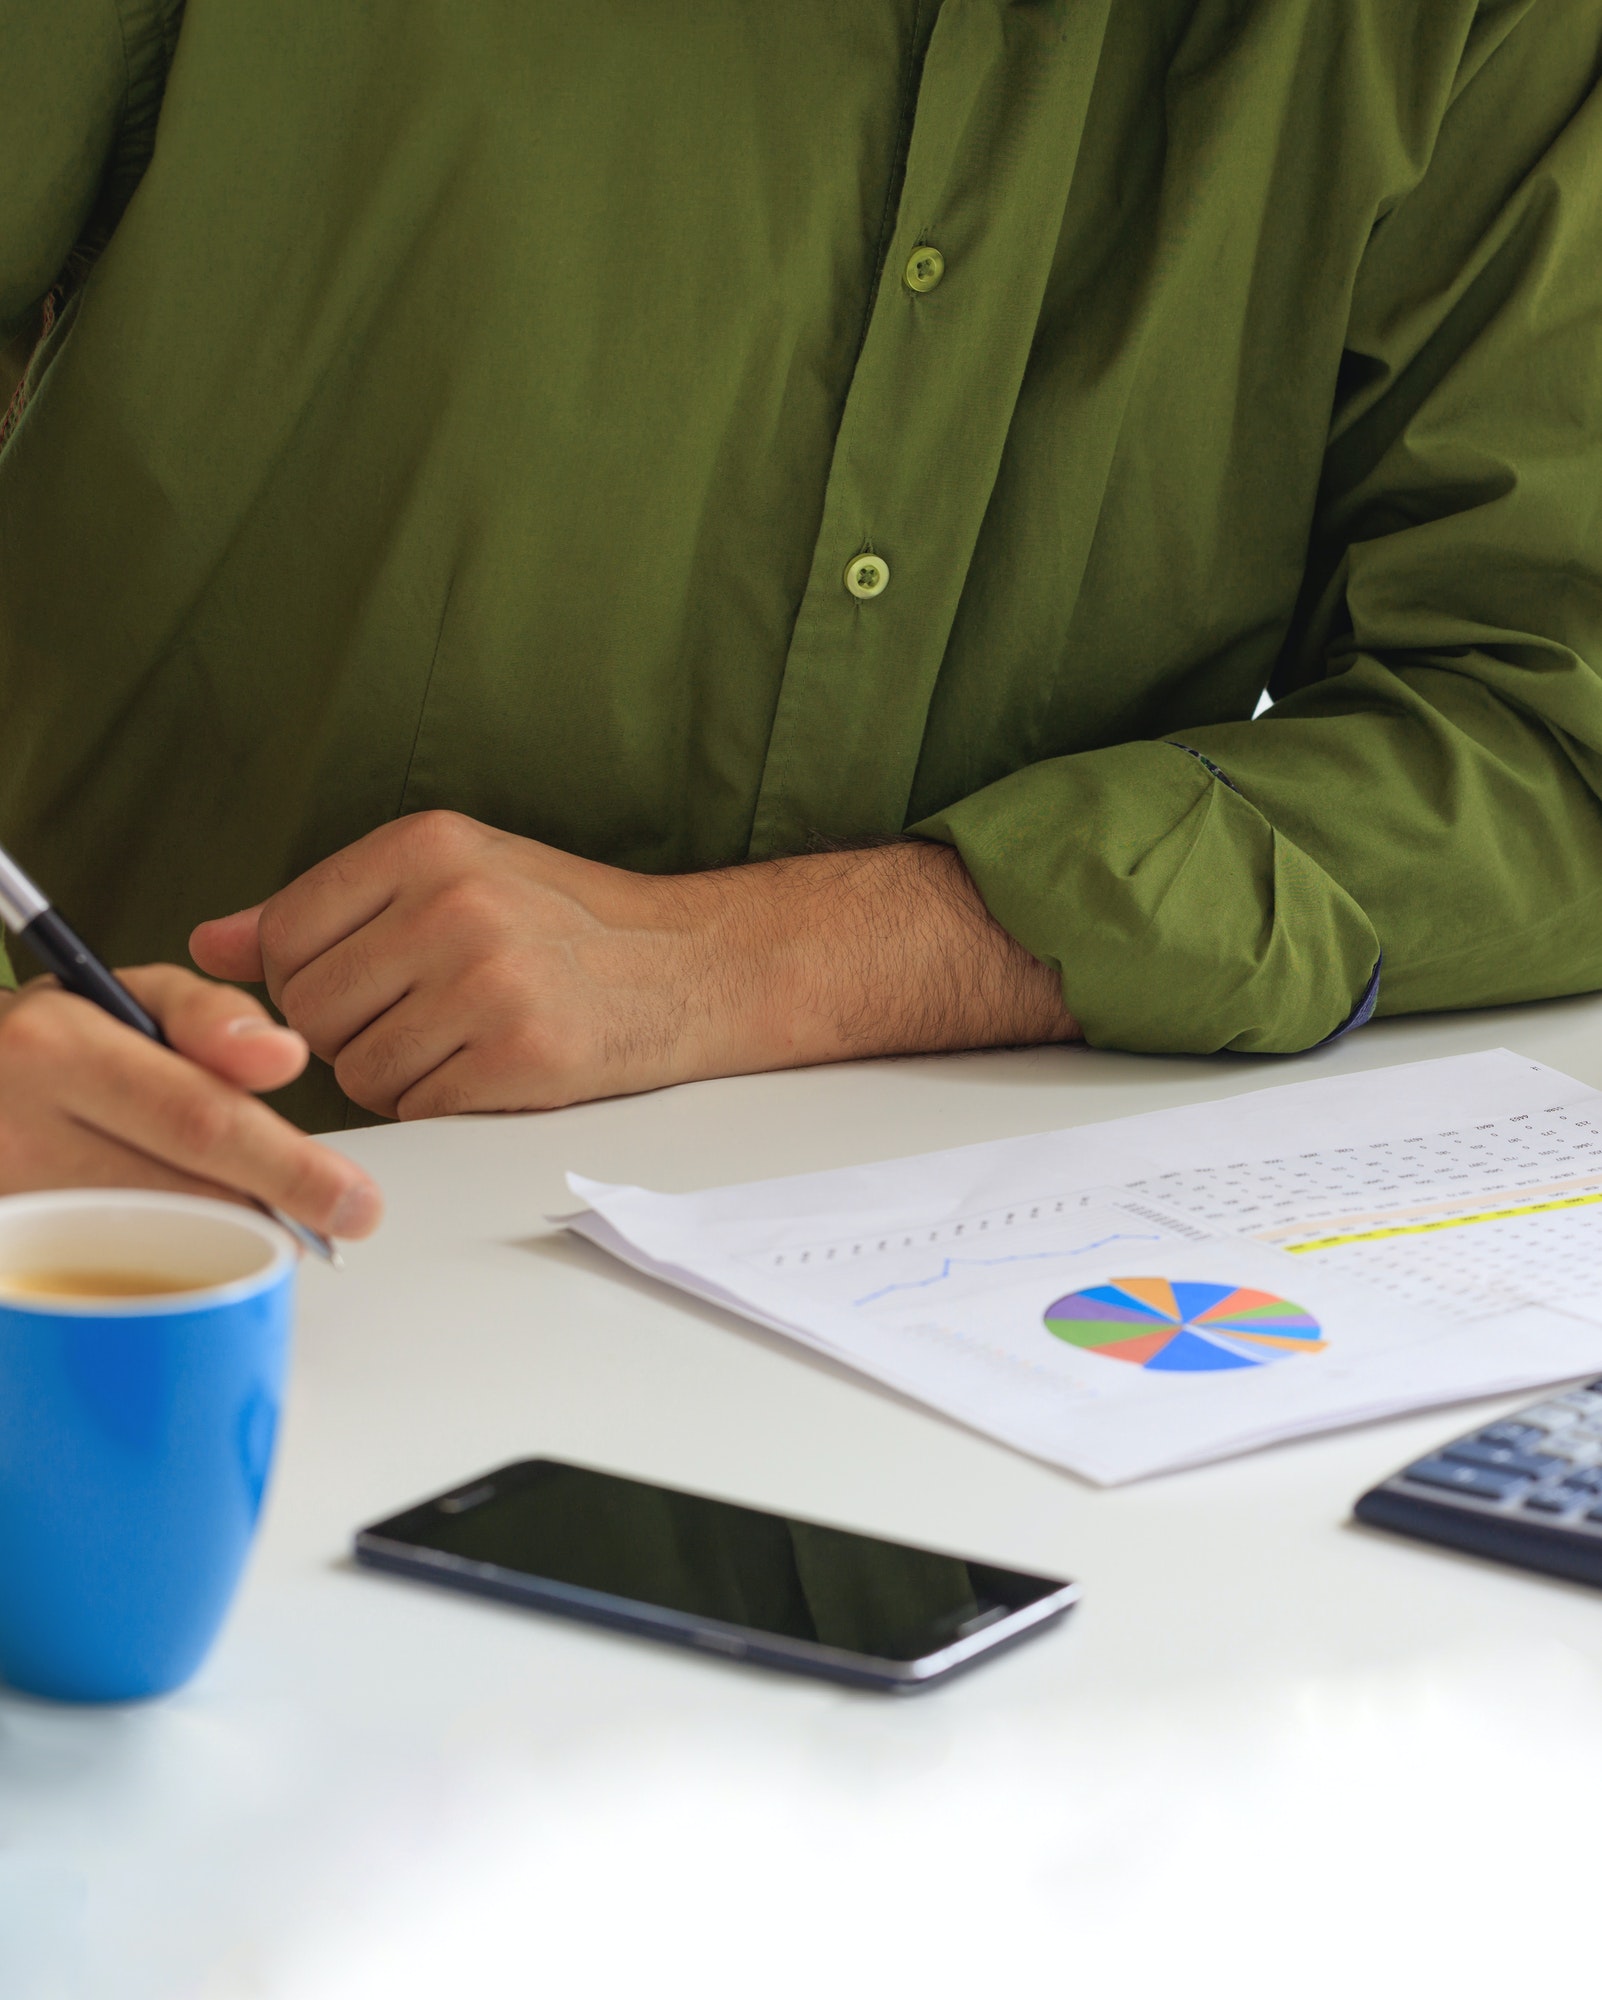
(326, 904)
(158, 1102)
(396, 1052)
(467, 1082)
(227, 1031)
(354, 983)
(230, 947)
(71, 1156)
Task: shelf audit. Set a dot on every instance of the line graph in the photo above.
(873, 1265)
(950, 1264)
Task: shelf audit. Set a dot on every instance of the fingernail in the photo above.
(253, 1024)
(356, 1211)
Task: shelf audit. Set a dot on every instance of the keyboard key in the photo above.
(1501, 1458)
(1550, 1503)
(1551, 1416)
(1516, 1435)
(1477, 1480)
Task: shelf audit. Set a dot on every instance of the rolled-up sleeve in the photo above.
(1424, 793)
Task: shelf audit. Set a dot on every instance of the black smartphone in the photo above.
(707, 1573)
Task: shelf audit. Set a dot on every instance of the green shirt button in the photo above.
(925, 268)
(866, 576)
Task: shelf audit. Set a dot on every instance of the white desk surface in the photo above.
(1270, 1754)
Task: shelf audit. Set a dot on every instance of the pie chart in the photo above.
(1180, 1328)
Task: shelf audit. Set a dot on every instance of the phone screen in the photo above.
(710, 1559)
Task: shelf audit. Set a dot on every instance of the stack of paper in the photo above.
(1129, 1297)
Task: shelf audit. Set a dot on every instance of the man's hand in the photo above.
(86, 1102)
(442, 966)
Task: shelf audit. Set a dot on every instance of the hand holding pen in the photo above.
(86, 1102)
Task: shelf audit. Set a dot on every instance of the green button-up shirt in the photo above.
(482, 403)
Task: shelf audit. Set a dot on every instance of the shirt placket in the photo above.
(1001, 109)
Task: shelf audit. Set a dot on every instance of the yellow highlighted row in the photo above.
(1447, 1222)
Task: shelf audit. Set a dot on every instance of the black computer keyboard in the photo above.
(1526, 1489)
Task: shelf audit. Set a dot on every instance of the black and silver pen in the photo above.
(55, 944)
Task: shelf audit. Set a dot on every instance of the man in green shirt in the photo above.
(529, 505)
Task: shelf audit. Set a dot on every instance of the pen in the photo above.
(54, 942)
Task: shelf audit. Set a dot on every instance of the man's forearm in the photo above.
(876, 951)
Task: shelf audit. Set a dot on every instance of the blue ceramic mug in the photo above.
(143, 1345)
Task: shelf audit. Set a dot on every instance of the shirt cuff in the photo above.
(1363, 1012)
(1178, 918)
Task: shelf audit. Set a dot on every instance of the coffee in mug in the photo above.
(58, 1284)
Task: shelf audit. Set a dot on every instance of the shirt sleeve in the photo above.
(1425, 790)
(80, 89)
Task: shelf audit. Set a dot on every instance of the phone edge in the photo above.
(710, 1636)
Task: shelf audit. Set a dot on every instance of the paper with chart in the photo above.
(1129, 1297)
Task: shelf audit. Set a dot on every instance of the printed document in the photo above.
(1126, 1298)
